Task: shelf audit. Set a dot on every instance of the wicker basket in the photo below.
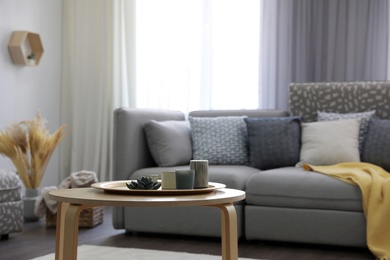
(89, 217)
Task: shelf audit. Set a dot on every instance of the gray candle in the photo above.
(185, 179)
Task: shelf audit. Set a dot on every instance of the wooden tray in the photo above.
(121, 188)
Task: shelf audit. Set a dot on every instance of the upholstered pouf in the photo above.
(11, 203)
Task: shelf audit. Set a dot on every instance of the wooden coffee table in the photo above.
(72, 201)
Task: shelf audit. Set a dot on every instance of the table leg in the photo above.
(61, 209)
(229, 232)
(67, 230)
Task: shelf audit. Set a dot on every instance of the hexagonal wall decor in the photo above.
(25, 48)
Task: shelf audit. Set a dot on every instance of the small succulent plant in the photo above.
(143, 183)
(31, 56)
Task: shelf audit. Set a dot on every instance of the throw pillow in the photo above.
(376, 149)
(273, 142)
(364, 121)
(330, 142)
(220, 140)
(169, 142)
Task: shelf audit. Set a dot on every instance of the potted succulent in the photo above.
(31, 59)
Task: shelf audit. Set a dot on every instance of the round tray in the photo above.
(121, 188)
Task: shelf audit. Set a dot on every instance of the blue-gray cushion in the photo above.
(364, 117)
(169, 142)
(220, 140)
(273, 142)
(376, 148)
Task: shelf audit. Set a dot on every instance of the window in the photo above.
(193, 54)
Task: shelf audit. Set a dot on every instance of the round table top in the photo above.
(93, 196)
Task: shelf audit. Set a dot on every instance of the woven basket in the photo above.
(89, 217)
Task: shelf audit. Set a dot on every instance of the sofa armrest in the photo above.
(130, 149)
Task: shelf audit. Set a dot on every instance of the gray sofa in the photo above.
(283, 203)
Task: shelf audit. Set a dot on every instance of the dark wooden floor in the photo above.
(37, 240)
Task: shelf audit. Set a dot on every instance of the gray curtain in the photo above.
(320, 40)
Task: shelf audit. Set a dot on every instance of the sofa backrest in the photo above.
(130, 150)
(249, 113)
(305, 99)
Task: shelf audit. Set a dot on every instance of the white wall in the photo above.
(25, 90)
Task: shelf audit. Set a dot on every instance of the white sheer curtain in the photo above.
(321, 40)
(88, 86)
(193, 54)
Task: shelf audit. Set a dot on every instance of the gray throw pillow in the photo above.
(273, 142)
(376, 148)
(220, 140)
(364, 121)
(169, 142)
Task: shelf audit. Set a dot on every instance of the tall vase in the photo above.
(31, 196)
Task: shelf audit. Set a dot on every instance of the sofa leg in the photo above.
(4, 236)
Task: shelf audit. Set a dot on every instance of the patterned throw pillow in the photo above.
(364, 121)
(220, 140)
(273, 142)
(376, 149)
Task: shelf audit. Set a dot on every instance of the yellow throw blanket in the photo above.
(374, 182)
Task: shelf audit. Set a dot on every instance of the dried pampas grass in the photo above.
(29, 145)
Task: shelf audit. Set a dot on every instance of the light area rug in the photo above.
(87, 252)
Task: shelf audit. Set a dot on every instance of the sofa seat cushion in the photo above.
(233, 176)
(295, 188)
